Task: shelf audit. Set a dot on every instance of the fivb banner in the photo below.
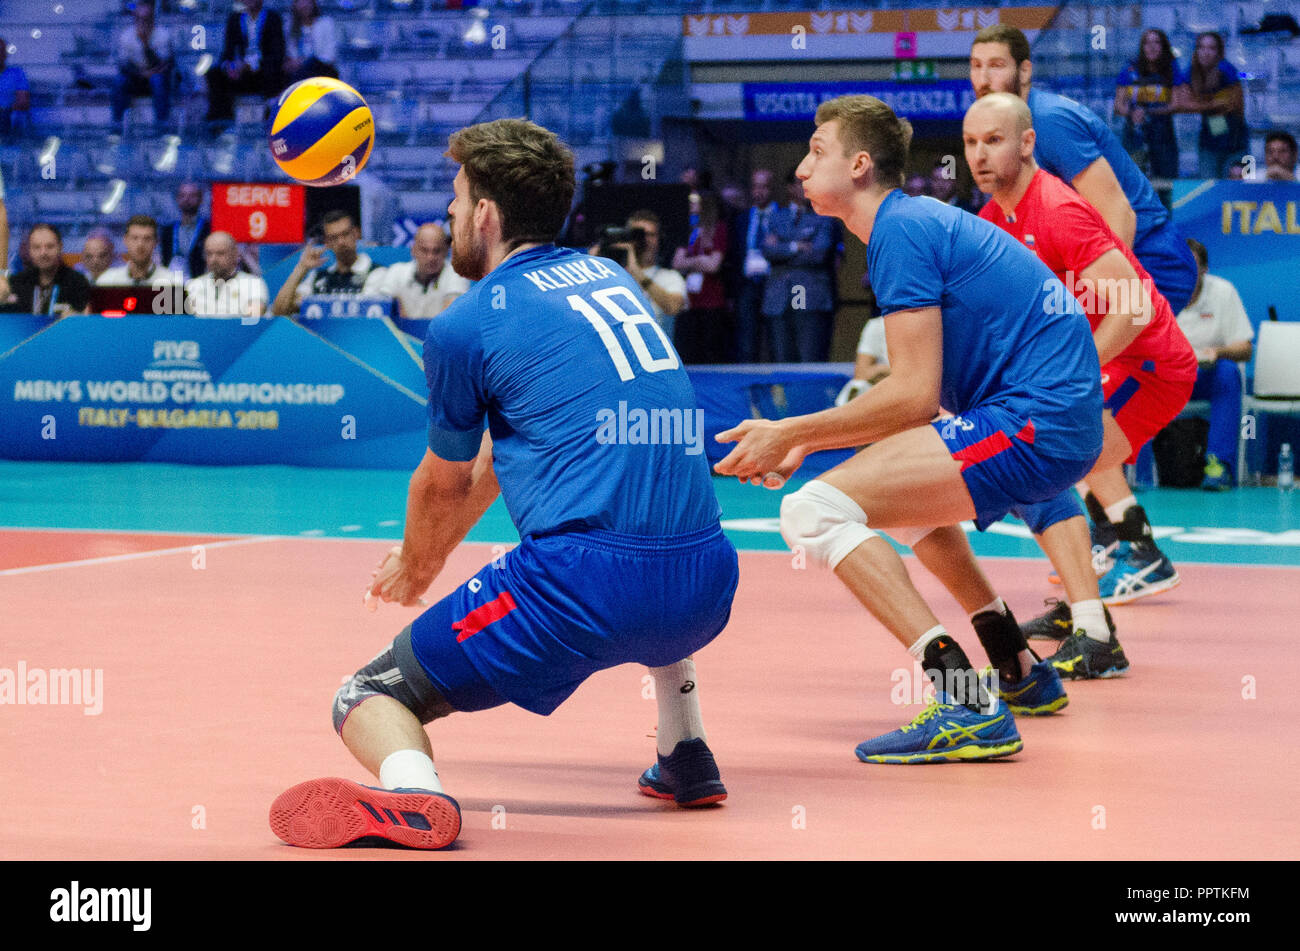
(217, 392)
(942, 99)
(1251, 231)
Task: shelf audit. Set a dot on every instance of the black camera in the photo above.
(614, 235)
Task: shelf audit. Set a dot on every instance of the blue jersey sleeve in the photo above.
(905, 270)
(1066, 144)
(453, 366)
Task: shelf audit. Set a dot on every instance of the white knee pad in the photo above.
(907, 536)
(824, 522)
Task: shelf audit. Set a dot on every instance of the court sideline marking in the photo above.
(129, 556)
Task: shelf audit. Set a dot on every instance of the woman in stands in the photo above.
(313, 44)
(1214, 90)
(1144, 96)
(704, 329)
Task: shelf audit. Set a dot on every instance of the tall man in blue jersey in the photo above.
(551, 382)
(1076, 146)
(974, 324)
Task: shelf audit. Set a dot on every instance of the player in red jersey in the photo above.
(1148, 371)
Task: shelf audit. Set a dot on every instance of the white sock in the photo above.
(1090, 617)
(917, 650)
(997, 604)
(1116, 512)
(679, 705)
(409, 769)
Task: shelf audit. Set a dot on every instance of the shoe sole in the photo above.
(1144, 592)
(967, 754)
(692, 804)
(1039, 711)
(1083, 673)
(329, 813)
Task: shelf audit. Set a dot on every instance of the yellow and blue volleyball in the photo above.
(322, 132)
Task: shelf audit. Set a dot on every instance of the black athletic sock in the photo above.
(1002, 640)
(950, 669)
(1096, 511)
(1136, 529)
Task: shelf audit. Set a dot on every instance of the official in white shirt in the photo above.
(348, 275)
(140, 269)
(225, 290)
(426, 284)
(1217, 326)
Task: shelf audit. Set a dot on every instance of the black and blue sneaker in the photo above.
(688, 776)
(1039, 694)
(946, 731)
(1082, 658)
(1057, 623)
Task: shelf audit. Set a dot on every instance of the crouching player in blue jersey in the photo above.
(622, 558)
(971, 326)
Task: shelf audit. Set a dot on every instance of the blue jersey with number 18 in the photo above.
(594, 423)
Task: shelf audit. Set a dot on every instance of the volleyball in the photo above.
(322, 132)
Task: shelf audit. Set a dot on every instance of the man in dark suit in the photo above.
(799, 296)
(252, 60)
(184, 238)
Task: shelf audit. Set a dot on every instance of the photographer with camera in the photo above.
(636, 248)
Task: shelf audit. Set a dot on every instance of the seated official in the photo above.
(140, 269)
(1216, 325)
(426, 284)
(348, 274)
(224, 290)
(47, 286)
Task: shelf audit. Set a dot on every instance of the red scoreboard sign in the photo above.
(264, 214)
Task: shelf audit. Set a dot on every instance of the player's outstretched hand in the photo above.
(763, 453)
(394, 582)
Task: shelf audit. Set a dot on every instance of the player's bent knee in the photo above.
(908, 536)
(388, 676)
(824, 522)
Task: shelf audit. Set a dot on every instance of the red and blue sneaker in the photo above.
(688, 776)
(330, 813)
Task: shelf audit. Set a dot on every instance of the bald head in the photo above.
(1010, 111)
(221, 255)
(429, 251)
(97, 255)
(998, 136)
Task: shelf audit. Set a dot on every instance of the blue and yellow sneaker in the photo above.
(946, 731)
(1039, 694)
(1082, 658)
(688, 776)
(1217, 476)
(1140, 571)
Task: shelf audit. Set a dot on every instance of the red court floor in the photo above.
(220, 664)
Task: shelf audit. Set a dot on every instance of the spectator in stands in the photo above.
(48, 286)
(1214, 90)
(4, 242)
(140, 269)
(252, 60)
(872, 363)
(1144, 96)
(1217, 327)
(313, 44)
(15, 97)
(182, 240)
(425, 285)
(97, 254)
(1279, 156)
(146, 65)
(310, 276)
(798, 299)
(754, 266)
(704, 330)
(224, 290)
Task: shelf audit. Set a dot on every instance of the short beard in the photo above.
(469, 257)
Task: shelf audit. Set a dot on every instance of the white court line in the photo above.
(108, 559)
